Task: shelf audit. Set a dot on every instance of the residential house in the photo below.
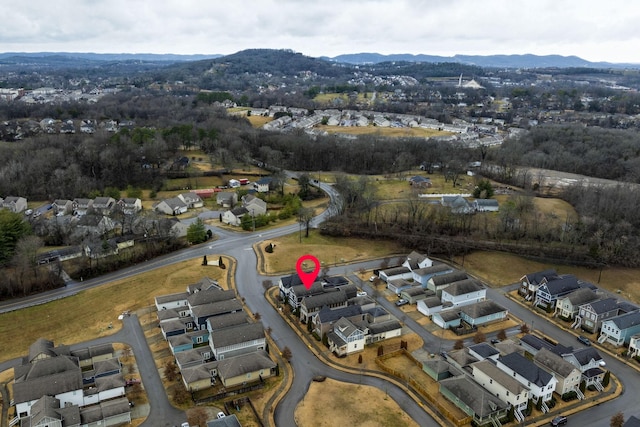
(483, 351)
(395, 273)
(619, 330)
(199, 376)
(228, 421)
(346, 338)
(588, 361)
(208, 296)
(194, 357)
(398, 285)
(485, 408)
(14, 204)
(176, 326)
(500, 384)
(568, 306)
(171, 206)
(326, 317)
(263, 184)
(457, 204)
(82, 206)
(103, 205)
(532, 344)
(255, 205)
(246, 368)
(192, 200)
(204, 284)
(529, 283)
(312, 304)
(188, 340)
(591, 315)
(48, 412)
(171, 301)
(441, 281)
(413, 294)
(237, 340)
(422, 275)
(62, 207)
(226, 320)
(286, 282)
(380, 330)
(464, 292)
(201, 313)
(296, 293)
(540, 383)
(130, 205)
(416, 260)
(634, 345)
(446, 319)
(418, 181)
(227, 199)
(483, 312)
(632, 422)
(234, 216)
(100, 249)
(568, 375)
(485, 205)
(549, 292)
(94, 225)
(429, 305)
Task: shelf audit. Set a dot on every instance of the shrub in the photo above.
(570, 395)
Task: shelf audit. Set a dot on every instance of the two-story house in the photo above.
(312, 304)
(568, 306)
(540, 383)
(549, 292)
(619, 330)
(589, 362)
(464, 292)
(424, 274)
(591, 315)
(346, 338)
(441, 281)
(567, 374)
(500, 384)
(529, 283)
(326, 317)
(236, 340)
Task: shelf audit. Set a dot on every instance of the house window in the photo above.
(490, 380)
(199, 340)
(507, 393)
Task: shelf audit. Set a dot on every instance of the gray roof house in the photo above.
(254, 205)
(568, 306)
(619, 330)
(567, 374)
(237, 340)
(483, 312)
(14, 204)
(498, 383)
(103, 205)
(537, 380)
(227, 199)
(313, 303)
(473, 400)
(172, 206)
(245, 368)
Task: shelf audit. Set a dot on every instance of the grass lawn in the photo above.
(384, 131)
(259, 121)
(328, 250)
(89, 314)
(356, 407)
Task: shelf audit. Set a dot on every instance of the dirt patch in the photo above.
(333, 403)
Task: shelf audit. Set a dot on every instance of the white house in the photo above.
(234, 216)
(464, 292)
(634, 345)
(346, 338)
(429, 306)
(501, 385)
(540, 383)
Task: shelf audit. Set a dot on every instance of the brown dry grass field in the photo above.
(328, 250)
(391, 132)
(331, 403)
(89, 314)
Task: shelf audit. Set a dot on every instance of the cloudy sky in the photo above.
(595, 30)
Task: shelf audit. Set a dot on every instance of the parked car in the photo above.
(559, 420)
(220, 415)
(402, 302)
(372, 278)
(495, 341)
(584, 340)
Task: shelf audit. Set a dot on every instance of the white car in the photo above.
(220, 415)
(372, 278)
(184, 425)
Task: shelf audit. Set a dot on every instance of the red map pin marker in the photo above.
(310, 277)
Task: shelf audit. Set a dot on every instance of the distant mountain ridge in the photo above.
(364, 58)
(500, 61)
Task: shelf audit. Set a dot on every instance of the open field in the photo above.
(330, 97)
(259, 121)
(89, 314)
(373, 410)
(328, 250)
(499, 269)
(393, 132)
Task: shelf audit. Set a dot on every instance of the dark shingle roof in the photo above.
(237, 334)
(537, 277)
(454, 276)
(326, 298)
(216, 308)
(209, 296)
(604, 305)
(328, 315)
(50, 376)
(526, 368)
(482, 308)
(627, 320)
(471, 394)
(483, 349)
(462, 287)
(553, 362)
(243, 364)
(226, 320)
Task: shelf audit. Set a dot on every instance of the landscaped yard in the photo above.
(333, 403)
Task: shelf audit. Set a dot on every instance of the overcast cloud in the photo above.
(593, 30)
